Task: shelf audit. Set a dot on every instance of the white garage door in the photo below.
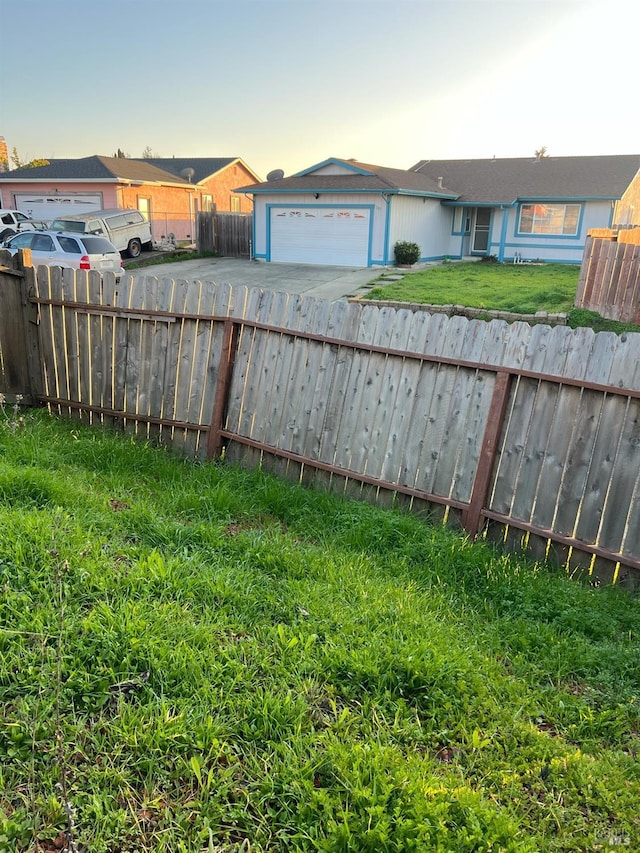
(47, 207)
(320, 235)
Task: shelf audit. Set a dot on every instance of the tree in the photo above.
(149, 153)
(18, 163)
(120, 154)
(541, 152)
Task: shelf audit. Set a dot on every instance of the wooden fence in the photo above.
(228, 234)
(528, 434)
(610, 275)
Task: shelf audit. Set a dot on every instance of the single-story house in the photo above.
(349, 213)
(168, 191)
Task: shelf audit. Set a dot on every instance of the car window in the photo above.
(67, 225)
(20, 217)
(95, 226)
(22, 241)
(6, 219)
(70, 244)
(97, 245)
(42, 243)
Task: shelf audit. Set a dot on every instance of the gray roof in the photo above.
(505, 180)
(203, 167)
(96, 168)
(375, 179)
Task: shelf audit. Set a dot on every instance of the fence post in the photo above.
(20, 363)
(223, 383)
(497, 409)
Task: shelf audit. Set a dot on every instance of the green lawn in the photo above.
(301, 671)
(517, 288)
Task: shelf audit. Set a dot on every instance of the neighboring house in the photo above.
(348, 213)
(168, 191)
(627, 212)
(531, 208)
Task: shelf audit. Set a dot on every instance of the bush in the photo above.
(406, 253)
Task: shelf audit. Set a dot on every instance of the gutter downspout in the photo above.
(503, 231)
(387, 228)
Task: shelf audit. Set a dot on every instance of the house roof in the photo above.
(358, 177)
(203, 167)
(94, 168)
(507, 180)
(162, 170)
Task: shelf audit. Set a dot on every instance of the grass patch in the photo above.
(167, 258)
(201, 655)
(518, 288)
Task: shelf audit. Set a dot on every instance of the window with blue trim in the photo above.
(555, 219)
(461, 221)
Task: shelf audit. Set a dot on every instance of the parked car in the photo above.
(128, 230)
(74, 251)
(12, 221)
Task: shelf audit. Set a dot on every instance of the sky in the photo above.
(289, 83)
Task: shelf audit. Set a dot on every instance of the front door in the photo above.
(481, 229)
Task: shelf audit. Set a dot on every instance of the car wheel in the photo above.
(8, 232)
(134, 248)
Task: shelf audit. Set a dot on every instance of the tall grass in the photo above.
(195, 657)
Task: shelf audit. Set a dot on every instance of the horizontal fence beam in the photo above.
(561, 539)
(347, 473)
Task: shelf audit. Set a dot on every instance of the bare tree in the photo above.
(541, 152)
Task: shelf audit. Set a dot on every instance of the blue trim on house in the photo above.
(370, 207)
(332, 161)
(322, 191)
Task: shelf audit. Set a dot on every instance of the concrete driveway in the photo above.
(328, 283)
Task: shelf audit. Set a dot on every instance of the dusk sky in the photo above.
(288, 83)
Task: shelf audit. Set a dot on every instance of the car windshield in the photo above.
(98, 246)
(67, 225)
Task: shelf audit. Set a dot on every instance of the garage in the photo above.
(319, 234)
(48, 207)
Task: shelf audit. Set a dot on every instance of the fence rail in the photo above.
(610, 275)
(526, 433)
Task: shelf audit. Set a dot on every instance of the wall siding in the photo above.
(420, 220)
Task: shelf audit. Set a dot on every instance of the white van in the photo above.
(128, 230)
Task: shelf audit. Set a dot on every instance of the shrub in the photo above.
(406, 253)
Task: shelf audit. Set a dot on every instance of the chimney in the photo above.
(440, 183)
(4, 155)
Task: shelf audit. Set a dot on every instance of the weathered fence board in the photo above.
(228, 234)
(609, 280)
(367, 399)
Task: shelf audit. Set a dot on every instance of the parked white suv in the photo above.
(128, 230)
(12, 221)
(74, 251)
